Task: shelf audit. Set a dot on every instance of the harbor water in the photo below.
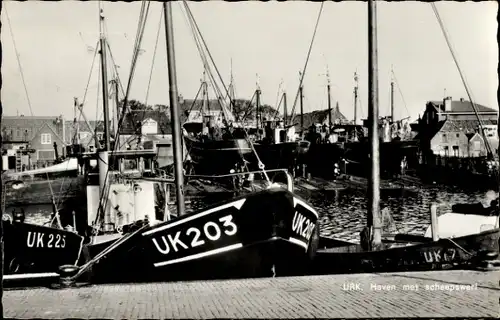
(343, 213)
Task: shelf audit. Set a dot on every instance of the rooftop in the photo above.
(461, 106)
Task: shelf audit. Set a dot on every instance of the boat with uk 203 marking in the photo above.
(272, 232)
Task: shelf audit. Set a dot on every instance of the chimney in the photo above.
(447, 104)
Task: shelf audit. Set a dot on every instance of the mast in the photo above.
(285, 109)
(103, 159)
(257, 106)
(301, 95)
(374, 180)
(355, 97)
(231, 90)
(329, 100)
(174, 108)
(392, 99)
(204, 99)
(116, 113)
(105, 97)
(76, 139)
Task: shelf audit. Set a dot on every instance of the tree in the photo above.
(136, 105)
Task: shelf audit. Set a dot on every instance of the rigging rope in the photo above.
(278, 107)
(213, 82)
(154, 56)
(248, 108)
(190, 14)
(140, 32)
(18, 59)
(400, 92)
(278, 95)
(137, 56)
(197, 33)
(474, 108)
(306, 63)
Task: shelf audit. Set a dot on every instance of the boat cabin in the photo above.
(129, 162)
(275, 132)
(128, 199)
(347, 133)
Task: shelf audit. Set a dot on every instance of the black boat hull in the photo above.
(215, 157)
(428, 255)
(275, 156)
(218, 157)
(321, 158)
(267, 233)
(35, 249)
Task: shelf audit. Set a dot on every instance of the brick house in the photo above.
(40, 134)
(450, 128)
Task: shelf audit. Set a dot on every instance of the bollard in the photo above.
(434, 222)
(488, 261)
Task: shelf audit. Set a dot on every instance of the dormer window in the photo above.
(445, 138)
(46, 138)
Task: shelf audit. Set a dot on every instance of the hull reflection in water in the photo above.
(272, 232)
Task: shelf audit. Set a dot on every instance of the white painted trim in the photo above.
(305, 205)
(299, 242)
(30, 276)
(237, 204)
(200, 255)
(42, 140)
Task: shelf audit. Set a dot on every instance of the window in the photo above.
(458, 135)
(476, 145)
(46, 138)
(445, 138)
(455, 150)
(446, 151)
(130, 164)
(83, 135)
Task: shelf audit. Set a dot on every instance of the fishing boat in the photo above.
(261, 234)
(347, 146)
(30, 250)
(270, 232)
(35, 251)
(220, 142)
(442, 245)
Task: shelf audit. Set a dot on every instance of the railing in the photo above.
(289, 178)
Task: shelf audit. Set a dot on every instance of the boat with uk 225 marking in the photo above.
(37, 251)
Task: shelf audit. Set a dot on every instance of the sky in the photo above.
(265, 42)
